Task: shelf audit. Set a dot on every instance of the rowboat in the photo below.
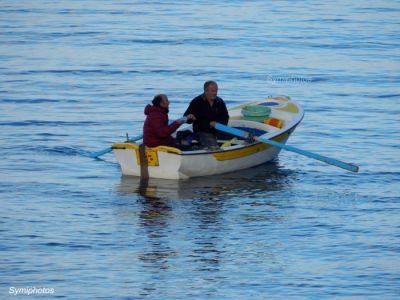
(282, 115)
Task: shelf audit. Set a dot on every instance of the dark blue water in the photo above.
(75, 77)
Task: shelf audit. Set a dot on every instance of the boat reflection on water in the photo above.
(244, 183)
(184, 224)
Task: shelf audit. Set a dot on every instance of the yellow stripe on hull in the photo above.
(237, 153)
(136, 147)
(151, 153)
(233, 154)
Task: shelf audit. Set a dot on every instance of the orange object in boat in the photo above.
(274, 122)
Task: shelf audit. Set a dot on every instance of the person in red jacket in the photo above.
(156, 130)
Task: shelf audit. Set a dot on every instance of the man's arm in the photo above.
(223, 116)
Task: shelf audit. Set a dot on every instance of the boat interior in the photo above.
(256, 129)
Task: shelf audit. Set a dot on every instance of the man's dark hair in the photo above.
(208, 83)
(157, 100)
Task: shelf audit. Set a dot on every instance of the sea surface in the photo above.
(75, 77)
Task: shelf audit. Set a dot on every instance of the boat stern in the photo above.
(138, 160)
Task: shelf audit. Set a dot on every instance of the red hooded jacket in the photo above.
(156, 131)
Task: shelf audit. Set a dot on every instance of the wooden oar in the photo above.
(109, 149)
(136, 138)
(328, 160)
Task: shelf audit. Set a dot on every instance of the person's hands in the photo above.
(180, 121)
(212, 124)
(191, 117)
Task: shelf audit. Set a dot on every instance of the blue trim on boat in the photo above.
(269, 103)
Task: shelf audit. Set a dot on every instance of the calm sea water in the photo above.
(75, 77)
